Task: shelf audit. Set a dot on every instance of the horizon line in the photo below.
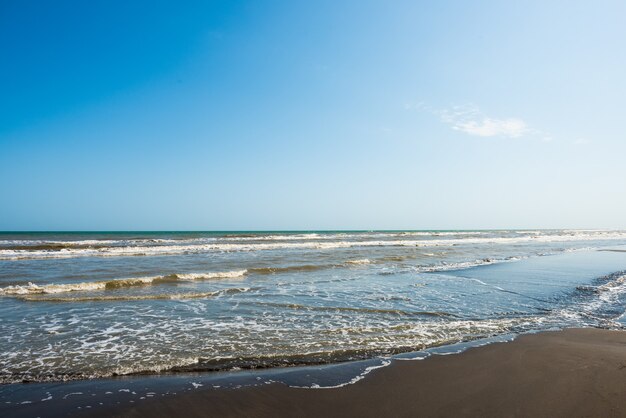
(295, 230)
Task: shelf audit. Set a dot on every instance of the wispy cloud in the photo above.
(470, 120)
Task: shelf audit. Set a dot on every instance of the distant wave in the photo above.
(216, 245)
(39, 244)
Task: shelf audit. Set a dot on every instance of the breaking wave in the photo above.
(32, 288)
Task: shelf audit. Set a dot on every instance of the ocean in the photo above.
(102, 304)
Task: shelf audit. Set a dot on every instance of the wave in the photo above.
(301, 268)
(447, 266)
(234, 274)
(89, 243)
(32, 288)
(120, 298)
(38, 244)
(362, 261)
(609, 283)
(397, 258)
(444, 266)
(212, 245)
(600, 304)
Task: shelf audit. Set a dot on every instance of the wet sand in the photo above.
(571, 373)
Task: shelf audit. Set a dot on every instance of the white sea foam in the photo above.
(362, 261)
(124, 348)
(384, 363)
(32, 288)
(212, 275)
(608, 295)
(445, 266)
(127, 298)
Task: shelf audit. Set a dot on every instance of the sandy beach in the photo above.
(571, 373)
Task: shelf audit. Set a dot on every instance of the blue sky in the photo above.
(312, 115)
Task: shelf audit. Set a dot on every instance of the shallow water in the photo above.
(105, 304)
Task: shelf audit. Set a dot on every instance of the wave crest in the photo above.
(31, 288)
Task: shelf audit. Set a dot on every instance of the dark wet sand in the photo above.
(572, 373)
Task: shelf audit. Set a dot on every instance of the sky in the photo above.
(301, 115)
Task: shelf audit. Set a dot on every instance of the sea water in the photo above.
(94, 305)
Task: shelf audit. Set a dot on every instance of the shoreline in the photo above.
(573, 372)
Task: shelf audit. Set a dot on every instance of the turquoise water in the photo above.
(88, 305)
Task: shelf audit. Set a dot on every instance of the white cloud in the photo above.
(470, 120)
(511, 127)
